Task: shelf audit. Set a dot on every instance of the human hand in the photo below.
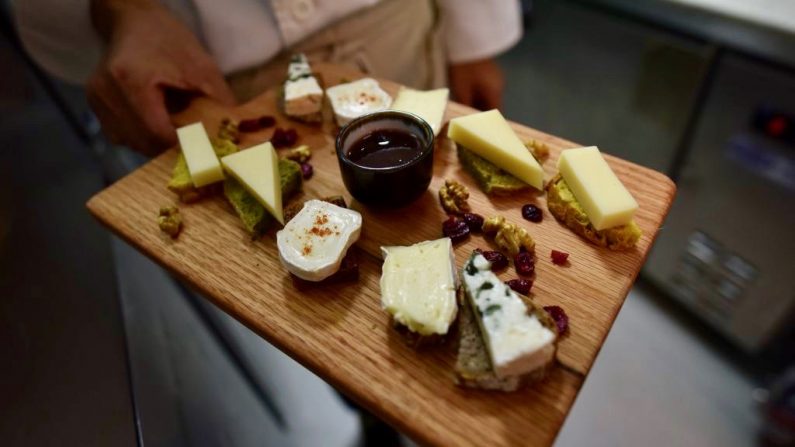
(149, 55)
(478, 84)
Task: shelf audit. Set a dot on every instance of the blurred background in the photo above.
(101, 347)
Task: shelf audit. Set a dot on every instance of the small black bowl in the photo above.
(388, 187)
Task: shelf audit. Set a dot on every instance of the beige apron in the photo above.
(397, 40)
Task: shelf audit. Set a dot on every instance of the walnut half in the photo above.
(539, 150)
(453, 196)
(508, 237)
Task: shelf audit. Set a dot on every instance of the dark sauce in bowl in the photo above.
(386, 158)
(385, 148)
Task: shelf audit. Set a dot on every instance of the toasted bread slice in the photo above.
(490, 178)
(473, 368)
(562, 204)
(181, 182)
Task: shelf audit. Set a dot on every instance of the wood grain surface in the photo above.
(339, 331)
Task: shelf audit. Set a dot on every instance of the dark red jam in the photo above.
(385, 148)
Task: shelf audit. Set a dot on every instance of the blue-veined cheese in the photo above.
(303, 97)
(313, 243)
(418, 285)
(516, 340)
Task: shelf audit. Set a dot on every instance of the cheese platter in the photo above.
(399, 352)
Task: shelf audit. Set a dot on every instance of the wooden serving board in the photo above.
(339, 331)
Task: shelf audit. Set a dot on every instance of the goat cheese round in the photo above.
(312, 244)
(357, 98)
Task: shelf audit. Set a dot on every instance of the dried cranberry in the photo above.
(522, 286)
(247, 126)
(306, 170)
(559, 315)
(266, 121)
(284, 137)
(498, 260)
(524, 263)
(474, 221)
(532, 213)
(456, 229)
(559, 257)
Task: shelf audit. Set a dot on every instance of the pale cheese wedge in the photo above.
(257, 169)
(428, 105)
(490, 136)
(418, 286)
(601, 194)
(199, 155)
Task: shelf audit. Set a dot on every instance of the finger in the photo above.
(489, 97)
(149, 112)
(103, 99)
(462, 91)
(218, 89)
(210, 82)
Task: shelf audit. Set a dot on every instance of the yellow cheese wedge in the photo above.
(603, 197)
(257, 169)
(428, 105)
(489, 135)
(202, 162)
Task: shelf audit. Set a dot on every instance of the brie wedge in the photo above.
(418, 286)
(357, 98)
(312, 244)
(516, 340)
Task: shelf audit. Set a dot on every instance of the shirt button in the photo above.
(302, 9)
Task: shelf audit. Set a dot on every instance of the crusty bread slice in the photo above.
(473, 368)
(182, 184)
(562, 204)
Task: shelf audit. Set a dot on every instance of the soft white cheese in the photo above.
(517, 341)
(418, 285)
(203, 164)
(312, 244)
(357, 98)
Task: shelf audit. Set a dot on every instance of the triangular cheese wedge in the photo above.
(257, 169)
(490, 136)
(428, 105)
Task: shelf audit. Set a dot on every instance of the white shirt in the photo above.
(244, 33)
